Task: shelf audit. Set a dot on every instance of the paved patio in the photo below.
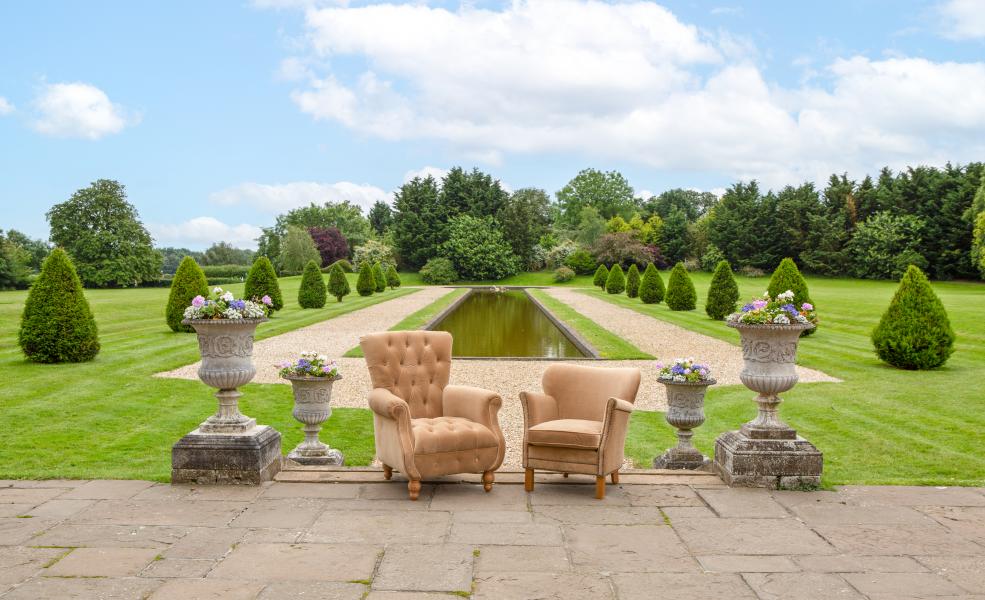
(136, 539)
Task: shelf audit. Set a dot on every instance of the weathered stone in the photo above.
(280, 513)
(750, 536)
(639, 548)
(395, 490)
(508, 534)
(685, 412)
(220, 458)
(576, 495)
(912, 495)
(170, 568)
(773, 464)
(60, 509)
(520, 559)
(75, 588)
(72, 534)
(897, 539)
(15, 510)
(298, 562)
(493, 516)
(903, 584)
(859, 564)
(15, 532)
(463, 497)
(379, 527)
(682, 586)
(801, 586)
(161, 512)
(311, 490)
(847, 514)
(966, 571)
(602, 515)
(674, 513)
(19, 563)
(430, 568)
(107, 490)
(968, 521)
(384, 595)
(322, 590)
(103, 562)
(543, 586)
(32, 496)
(662, 495)
(206, 589)
(738, 563)
(743, 503)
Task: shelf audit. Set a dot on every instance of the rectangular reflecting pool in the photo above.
(503, 324)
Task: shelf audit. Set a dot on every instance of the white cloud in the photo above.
(278, 198)
(202, 232)
(963, 19)
(79, 110)
(5, 107)
(629, 81)
(437, 172)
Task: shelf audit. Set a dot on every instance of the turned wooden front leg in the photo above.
(487, 480)
(414, 488)
(600, 487)
(387, 472)
(615, 477)
(528, 480)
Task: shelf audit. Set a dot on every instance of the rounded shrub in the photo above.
(262, 281)
(439, 271)
(379, 277)
(189, 281)
(601, 275)
(366, 283)
(680, 289)
(57, 325)
(914, 332)
(787, 277)
(615, 283)
(651, 286)
(562, 274)
(723, 293)
(338, 284)
(580, 261)
(345, 264)
(633, 281)
(392, 278)
(312, 293)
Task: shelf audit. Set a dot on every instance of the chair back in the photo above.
(583, 392)
(413, 365)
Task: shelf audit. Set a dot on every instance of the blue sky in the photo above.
(219, 115)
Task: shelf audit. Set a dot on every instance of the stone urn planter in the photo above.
(312, 407)
(766, 451)
(685, 412)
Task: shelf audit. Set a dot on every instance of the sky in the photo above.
(217, 116)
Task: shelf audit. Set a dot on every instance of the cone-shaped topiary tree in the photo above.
(57, 325)
(615, 283)
(723, 292)
(366, 283)
(379, 277)
(262, 281)
(312, 293)
(392, 278)
(189, 281)
(680, 289)
(914, 332)
(338, 285)
(601, 275)
(787, 277)
(651, 286)
(633, 281)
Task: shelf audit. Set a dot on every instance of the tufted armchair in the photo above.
(423, 426)
(579, 423)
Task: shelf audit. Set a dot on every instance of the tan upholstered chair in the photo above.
(425, 427)
(579, 423)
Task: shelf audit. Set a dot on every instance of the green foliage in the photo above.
(477, 249)
(338, 284)
(711, 258)
(621, 248)
(615, 283)
(103, 234)
(581, 262)
(366, 283)
(36, 250)
(439, 271)
(57, 325)
(392, 278)
(675, 238)
(633, 281)
(601, 275)
(344, 215)
(418, 221)
(237, 272)
(14, 270)
(589, 226)
(524, 218)
(607, 192)
(380, 217)
(787, 277)
(373, 252)
(723, 293)
(651, 286)
(885, 245)
(262, 281)
(563, 274)
(312, 293)
(223, 253)
(978, 249)
(189, 281)
(379, 277)
(344, 264)
(472, 193)
(173, 257)
(914, 332)
(296, 250)
(681, 294)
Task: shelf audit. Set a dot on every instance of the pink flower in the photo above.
(807, 306)
(758, 304)
(198, 301)
(266, 300)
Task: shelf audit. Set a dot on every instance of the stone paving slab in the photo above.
(365, 540)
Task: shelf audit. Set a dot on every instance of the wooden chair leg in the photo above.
(387, 472)
(414, 488)
(528, 480)
(600, 487)
(615, 477)
(487, 480)
(565, 475)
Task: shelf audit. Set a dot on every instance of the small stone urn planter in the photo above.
(312, 407)
(685, 412)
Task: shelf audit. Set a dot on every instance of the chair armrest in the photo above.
(537, 408)
(387, 404)
(615, 426)
(472, 403)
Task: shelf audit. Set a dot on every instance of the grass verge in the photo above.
(417, 319)
(608, 344)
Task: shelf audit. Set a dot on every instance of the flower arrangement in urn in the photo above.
(224, 305)
(774, 311)
(310, 364)
(684, 370)
(686, 381)
(312, 376)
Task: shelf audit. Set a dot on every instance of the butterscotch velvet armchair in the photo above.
(423, 426)
(578, 423)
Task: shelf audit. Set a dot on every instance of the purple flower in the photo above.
(266, 300)
(198, 301)
(758, 304)
(790, 308)
(326, 369)
(238, 304)
(807, 306)
(747, 308)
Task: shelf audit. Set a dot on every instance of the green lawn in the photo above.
(111, 419)
(882, 425)
(419, 318)
(608, 344)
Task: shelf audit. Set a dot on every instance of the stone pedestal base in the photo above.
(770, 463)
(675, 458)
(330, 456)
(247, 458)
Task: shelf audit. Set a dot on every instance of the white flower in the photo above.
(217, 290)
(228, 297)
(801, 319)
(787, 295)
(781, 319)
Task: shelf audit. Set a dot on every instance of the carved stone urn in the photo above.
(766, 452)
(685, 412)
(312, 407)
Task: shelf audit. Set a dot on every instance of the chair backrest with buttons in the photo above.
(413, 365)
(583, 392)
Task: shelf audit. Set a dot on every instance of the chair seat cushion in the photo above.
(567, 433)
(450, 434)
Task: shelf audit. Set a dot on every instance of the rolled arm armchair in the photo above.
(393, 417)
(477, 405)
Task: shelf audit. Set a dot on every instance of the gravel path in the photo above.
(507, 377)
